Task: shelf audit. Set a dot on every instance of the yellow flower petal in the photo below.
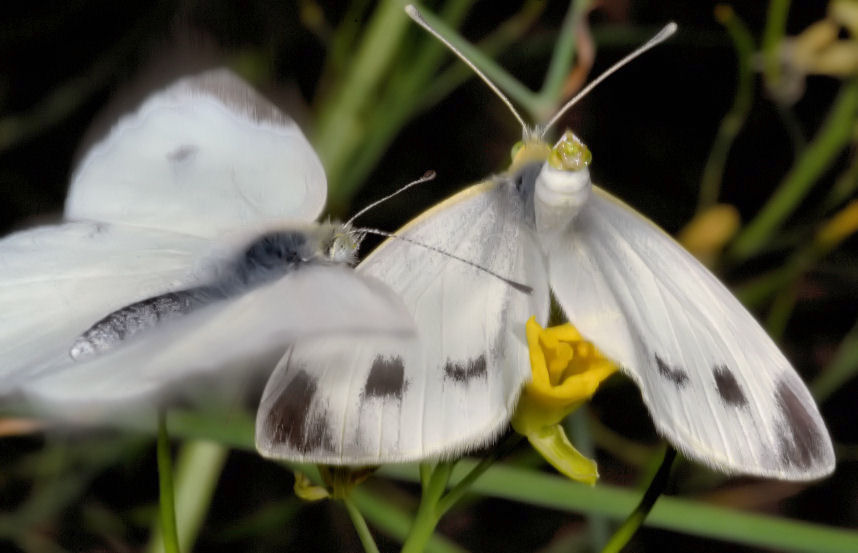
(551, 442)
(566, 371)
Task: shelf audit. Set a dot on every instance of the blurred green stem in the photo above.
(198, 468)
(743, 43)
(835, 134)
(339, 127)
(360, 526)
(628, 528)
(167, 505)
(773, 34)
(428, 513)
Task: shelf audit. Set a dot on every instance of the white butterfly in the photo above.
(188, 248)
(716, 385)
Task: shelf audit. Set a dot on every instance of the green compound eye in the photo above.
(570, 154)
(516, 148)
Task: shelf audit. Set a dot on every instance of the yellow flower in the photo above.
(567, 370)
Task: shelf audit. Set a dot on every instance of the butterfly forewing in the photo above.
(451, 388)
(716, 385)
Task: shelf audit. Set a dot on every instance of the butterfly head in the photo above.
(342, 243)
(563, 184)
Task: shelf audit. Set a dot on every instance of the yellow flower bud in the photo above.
(566, 371)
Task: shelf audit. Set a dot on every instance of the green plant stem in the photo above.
(167, 505)
(628, 528)
(360, 526)
(338, 127)
(390, 518)
(463, 485)
(198, 468)
(681, 515)
(549, 95)
(773, 34)
(713, 172)
(428, 513)
(835, 134)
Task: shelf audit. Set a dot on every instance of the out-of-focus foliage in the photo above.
(753, 106)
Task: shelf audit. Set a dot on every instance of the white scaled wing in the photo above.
(56, 281)
(452, 388)
(205, 155)
(312, 300)
(716, 385)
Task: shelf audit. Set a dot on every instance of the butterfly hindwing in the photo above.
(205, 155)
(453, 386)
(716, 385)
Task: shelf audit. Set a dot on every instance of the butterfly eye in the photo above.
(570, 154)
(516, 148)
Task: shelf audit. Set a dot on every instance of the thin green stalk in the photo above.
(167, 505)
(360, 526)
(398, 99)
(743, 43)
(428, 513)
(581, 434)
(635, 520)
(388, 516)
(462, 486)
(835, 134)
(561, 59)
(339, 127)
(198, 469)
(672, 513)
(773, 34)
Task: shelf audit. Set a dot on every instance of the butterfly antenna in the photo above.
(517, 285)
(427, 176)
(415, 14)
(665, 33)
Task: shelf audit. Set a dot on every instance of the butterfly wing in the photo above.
(205, 155)
(716, 385)
(56, 281)
(236, 334)
(342, 400)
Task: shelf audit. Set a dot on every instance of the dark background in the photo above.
(650, 128)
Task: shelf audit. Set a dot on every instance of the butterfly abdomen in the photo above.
(267, 258)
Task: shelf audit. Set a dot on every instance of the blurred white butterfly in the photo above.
(716, 385)
(188, 248)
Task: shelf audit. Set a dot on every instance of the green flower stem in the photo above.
(339, 130)
(167, 505)
(672, 513)
(835, 134)
(628, 528)
(773, 34)
(360, 526)
(538, 105)
(198, 468)
(561, 61)
(743, 43)
(388, 517)
(400, 98)
(462, 486)
(428, 513)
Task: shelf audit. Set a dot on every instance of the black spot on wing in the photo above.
(677, 375)
(386, 378)
(291, 420)
(800, 441)
(465, 371)
(728, 387)
(182, 153)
